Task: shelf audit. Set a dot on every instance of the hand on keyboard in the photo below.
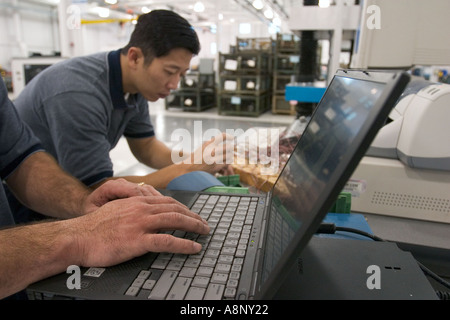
(131, 227)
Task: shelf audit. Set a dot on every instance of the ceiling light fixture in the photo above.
(258, 4)
(324, 3)
(276, 21)
(103, 12)
(268, 13)
(199, 6)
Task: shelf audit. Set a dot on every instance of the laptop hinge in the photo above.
(258, 263)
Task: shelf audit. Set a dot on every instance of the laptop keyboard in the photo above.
(214, 273)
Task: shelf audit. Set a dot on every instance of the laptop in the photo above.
(254, 257)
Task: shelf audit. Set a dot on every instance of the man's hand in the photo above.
(116, 189)
(214, 156)
(118, 231)
(127, 228)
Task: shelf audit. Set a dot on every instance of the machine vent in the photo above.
(432, 90)
(409, 201)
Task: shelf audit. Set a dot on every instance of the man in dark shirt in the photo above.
(118, 221)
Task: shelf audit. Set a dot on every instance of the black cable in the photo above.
(371, 236)
(443, 295)
(434, 276)
(331, 228)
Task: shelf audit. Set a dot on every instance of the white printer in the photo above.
(406, 171)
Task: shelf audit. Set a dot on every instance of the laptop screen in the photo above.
(313, 166)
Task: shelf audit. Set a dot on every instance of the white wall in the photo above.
(105, 36)
(25, 29)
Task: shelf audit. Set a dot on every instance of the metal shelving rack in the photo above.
(286, 65)
(196, 92)
(245, 79)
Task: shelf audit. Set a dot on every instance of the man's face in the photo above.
(156, 80)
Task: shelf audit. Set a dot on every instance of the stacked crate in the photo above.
(286, 66)
(254, 44)
(245, 81)
(196, 92)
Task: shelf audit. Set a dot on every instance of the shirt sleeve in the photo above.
(79, 129)
(140, 125)
(17, 141)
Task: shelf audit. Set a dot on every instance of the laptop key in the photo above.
(149, 284)
(179, 288)
(132, 291)
(163, 285)
(219, 278)
(230, 293)
(205, 271)
(208, 262)
(200, 281)
(214, 291)
(192, 262)
(188, 272)
(195, 293)
(160, 263)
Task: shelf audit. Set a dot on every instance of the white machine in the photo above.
(406, 171)
(25, 69)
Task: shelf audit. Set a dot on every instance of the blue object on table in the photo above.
(194, 181)
(304, 93)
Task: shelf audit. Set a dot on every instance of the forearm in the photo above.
(151, 152)
(34, 252)
(158, 179)
(40, 184)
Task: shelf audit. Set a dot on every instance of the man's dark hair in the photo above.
(159, 31)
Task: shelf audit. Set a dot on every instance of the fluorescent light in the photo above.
(199, 6)
(111, 1)
(213, 48)
(268, 13)
(145, 10)
(245, 28)
(276, 21)
(324, 3)
(258, 4)
(102, 12)
(273, 29)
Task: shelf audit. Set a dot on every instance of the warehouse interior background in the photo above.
(287, 45)
(263, 64)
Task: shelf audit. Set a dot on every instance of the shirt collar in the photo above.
(115, 80)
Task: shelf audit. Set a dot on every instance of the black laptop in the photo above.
(255, 240)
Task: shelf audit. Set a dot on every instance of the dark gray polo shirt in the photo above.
(78, 110)
(17, 142)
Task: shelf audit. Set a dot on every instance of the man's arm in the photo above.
(40, 184)
(151, 152)
(155, 154)
(116, 232)
(33, 252)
